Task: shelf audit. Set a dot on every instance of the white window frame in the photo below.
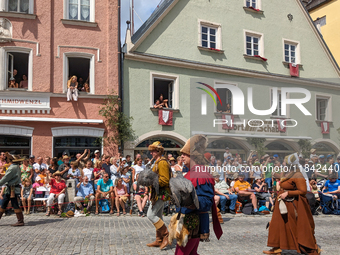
(209, 24)
(92, 72)
(257, 5)
(328, 111)
(92, 11)
(175, 95)
(3, 59)
(4, 6)
(254, 34)
(297, 50)
(279, 105)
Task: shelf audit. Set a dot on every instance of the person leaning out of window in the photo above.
(72, 89)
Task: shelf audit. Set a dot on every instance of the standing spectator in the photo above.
(323, 171)
(337, 166)
(106, 165)
(172, 162)
(98, 171)
(125, 177)
(16, 76)
(88, 171)
(227, 154)
(24, 83)
(213, 161)
(128, 160)
(38, 167)
(85, 191)
(2, 159)
(242, 189)
(220, 169)
(82, 159)
(141, 197)
(26, 195)
(96, 156)
(169, 157)
(179, 165)
(64, 167)
(275, 157)
(32, 160)
(48, 161)
(121, 195)
(26, 170)
(54, 166)
(137, 168)
(114, 170)
(268, 171)
(105, 190)
(222, 189)
(57, 191)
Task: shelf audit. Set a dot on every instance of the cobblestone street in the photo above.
(129, 234)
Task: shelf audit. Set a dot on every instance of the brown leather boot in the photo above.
(20, 218)
(158, 241)
(165, 236)
(276, 251)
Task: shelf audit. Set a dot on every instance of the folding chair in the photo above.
(43, 189)
(326, 203)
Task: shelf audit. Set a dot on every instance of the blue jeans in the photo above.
(232, 199)
(269, 182)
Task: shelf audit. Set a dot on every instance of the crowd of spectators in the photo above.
(253, 181)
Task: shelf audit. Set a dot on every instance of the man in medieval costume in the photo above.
(193, 157)
(155, 211)
(12, 180)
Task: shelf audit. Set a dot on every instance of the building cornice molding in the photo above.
(182, 63)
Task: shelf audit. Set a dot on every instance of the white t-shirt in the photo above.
(88, 172)
(138, 169)
(114, 173)
(227, 155)
(40, 167)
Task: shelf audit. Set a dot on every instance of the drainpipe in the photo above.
(120, 65)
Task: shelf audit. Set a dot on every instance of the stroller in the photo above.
(329, 205)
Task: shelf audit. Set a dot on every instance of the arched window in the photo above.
(170, 146)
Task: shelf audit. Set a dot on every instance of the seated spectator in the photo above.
(72, 89)
(223, 191)
(244, 192)
(53, 166)
(58, 188)
(125, 177)
(80, 84)
(64, 167)
(314, 189)
(24, 82)
(12, 84)
(85, 191)
(158, 104)
(163, 102)
(121, 195)
(137, 168)
(332, 186)
(105, 190)
(259, 187)
(43, 176)
(26, 170)
(27, 195)
(74, 172)
(141, 197)
(86, 87)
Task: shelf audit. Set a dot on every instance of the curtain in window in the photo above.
(85, 10)
(73, 9)
(24, 5)
(13, 5)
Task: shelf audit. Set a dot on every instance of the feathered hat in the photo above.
(156, 146)
(195, 147)
(14, 158)
(292, 159)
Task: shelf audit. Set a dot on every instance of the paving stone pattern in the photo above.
(106, 234)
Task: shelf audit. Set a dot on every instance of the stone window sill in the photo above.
(253, 57)
(18, 15)
(287, 64)
(319, 121)
(210, 49)
(79, 23)
(167, 109)
(252, 10)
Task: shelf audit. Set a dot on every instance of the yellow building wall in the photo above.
(331, 31)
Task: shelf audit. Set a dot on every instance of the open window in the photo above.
(82, 66)
(164, 87)
(226, 97)
(167, 86)
(323, 109)
(17, 70)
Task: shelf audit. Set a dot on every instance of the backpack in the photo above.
(70, 207)
(104, 205)
(247, 208)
